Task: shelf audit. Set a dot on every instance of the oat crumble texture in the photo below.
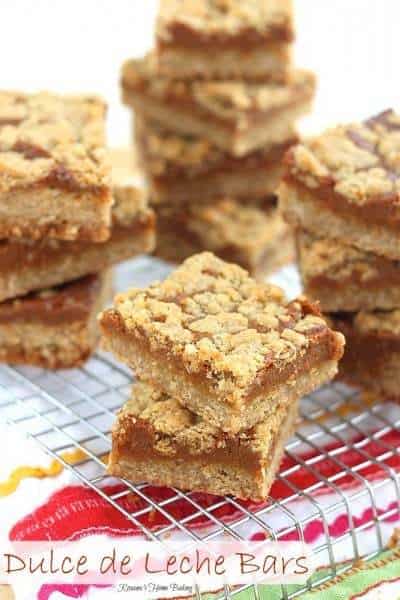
(225, 16)
(359, 161)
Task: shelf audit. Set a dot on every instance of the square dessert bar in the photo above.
(27, 265)
(236, 116)
(55, 328)
(344, 278)
(54, 176)
(228, 348)
(250, 234)
(189, 169)
(225, 39)
(372, 357)
(345, 184)
(156, 440)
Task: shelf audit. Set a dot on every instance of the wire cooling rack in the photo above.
(342, 439)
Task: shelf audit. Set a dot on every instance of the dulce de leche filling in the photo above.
(137, 439)
(18, 254)
(246, 39)
(140, 446)
(64, 304)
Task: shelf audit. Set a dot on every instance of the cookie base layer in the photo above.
(200, 476)
(26, 267)
(302, 208)
(41, 213)
(56, 329)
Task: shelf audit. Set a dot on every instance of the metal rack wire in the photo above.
(75, 410)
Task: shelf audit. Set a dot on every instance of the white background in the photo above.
(79, 45)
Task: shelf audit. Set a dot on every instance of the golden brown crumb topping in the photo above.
(360, 161)
(175, 428)
(167, 152)
(333, 260)
(215, 319)
(228, 222)
(226, 99)
(224, 16)
(52, 140)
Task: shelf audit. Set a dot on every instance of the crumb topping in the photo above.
(166, 152)
(55, 140)
(333, 260)
(226, 99)
(229, 222)
(174, 428)
(360, 161)
(215, 319)
(229, 17)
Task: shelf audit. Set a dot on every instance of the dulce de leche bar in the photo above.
(237, 116)
(55, 328)
(156, 440)
(344, 278)
(228, 348)
(345, 185)
(27, 265)
(250, 234)
(54, 176)
(189, 169)
(225, 39)
(372, 357)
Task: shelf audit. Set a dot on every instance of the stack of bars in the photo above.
(216, 106)
(63, 223)
(222, 362)
(342, 190)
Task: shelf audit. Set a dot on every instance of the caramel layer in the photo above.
(15, 254)
(67, 303)
(139, 437)
(185, 36)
